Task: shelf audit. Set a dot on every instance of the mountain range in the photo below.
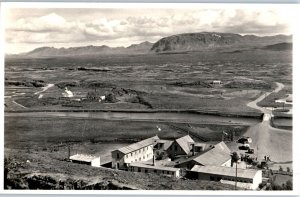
(175, 43)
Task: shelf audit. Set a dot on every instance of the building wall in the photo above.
(155, 171)
(96, 162)
(117, 159)
(213, 177)
(143, 154)
(81, 162)
(257, 179)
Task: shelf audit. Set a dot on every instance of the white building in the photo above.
(140, 151)
(85, 159)
(246, 178)
(161, 170)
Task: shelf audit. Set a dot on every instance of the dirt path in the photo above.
(269, 141)
(44, 88)
(14, 102)
(253, 104)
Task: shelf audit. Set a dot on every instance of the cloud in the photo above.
(125, 26)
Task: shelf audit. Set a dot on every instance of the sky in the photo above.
(30, 28)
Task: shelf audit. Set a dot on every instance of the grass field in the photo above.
(169, 81)
(137, 82)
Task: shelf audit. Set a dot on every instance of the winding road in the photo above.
(269, 141)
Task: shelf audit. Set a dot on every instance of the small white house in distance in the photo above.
(246, 178)
(161, 170)
(216, 82)
(85, 159)
(139, 151)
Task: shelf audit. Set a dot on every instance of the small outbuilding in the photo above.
(85, 159)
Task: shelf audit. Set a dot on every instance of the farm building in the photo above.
(219, 155)
(215, 82)
(162, 170)
(85, 159)
(139, 151)
(246, 178)
(181, 146)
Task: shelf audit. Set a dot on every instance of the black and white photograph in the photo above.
(148, 97)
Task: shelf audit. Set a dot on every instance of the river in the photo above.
(182, 117)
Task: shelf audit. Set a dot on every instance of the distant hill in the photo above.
(279, 47)
(211, 40)
(171, 44)
(91, 50)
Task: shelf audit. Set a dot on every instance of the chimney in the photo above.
(153, 160)
(193, 147)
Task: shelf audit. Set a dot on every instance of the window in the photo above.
(175, 147)
(118, 156)
(155, 171)
(126, 156)
(146, 171)
(139, 169)
(140, 151)
(163, 171)
(144, 157)
(131, 154)
(139, 159)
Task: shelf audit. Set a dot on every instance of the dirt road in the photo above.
(269, 141)
(253, 104)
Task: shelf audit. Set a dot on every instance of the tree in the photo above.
(235, 158)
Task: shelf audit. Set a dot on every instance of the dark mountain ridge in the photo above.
(175, 43)
(211, 40)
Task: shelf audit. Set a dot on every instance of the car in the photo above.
(250, 151)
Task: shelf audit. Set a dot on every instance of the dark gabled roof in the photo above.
(215, 156)
(138, 145)
(184, 142)
(225, 171)
(166, 143)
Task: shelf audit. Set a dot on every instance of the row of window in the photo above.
(138, 151)
(140, 159)
(155, 171)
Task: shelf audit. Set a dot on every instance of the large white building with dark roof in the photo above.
(139, 151)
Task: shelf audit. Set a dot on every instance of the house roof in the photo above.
(226, 171)
(184, 142)
(167, 143)
(81, 157)
(141, 165)
(215, 156)
(138, 145)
